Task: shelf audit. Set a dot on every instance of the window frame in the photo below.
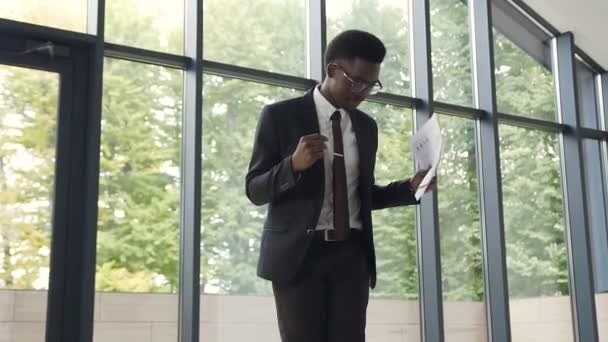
(514, 18)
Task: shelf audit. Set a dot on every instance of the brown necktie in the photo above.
(341, 215)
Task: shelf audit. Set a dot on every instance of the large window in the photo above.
(28, 122)
(394, 230)
(148, 24)
(460, 231)
(138, 238)
(535, 235)
(389, 21)
(63, 14)
(255, 53)
(523, 85)
(231, 225)
(267, 34)
(451, 52)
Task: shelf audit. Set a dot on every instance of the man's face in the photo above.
(341, 75)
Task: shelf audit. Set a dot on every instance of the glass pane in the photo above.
(386, 19)
(523, 85)
(148, 24)
(459, 220)
(534, 236)
(393, 309)
(587, 106)
(451, 52)
(63, 14)
(28, 121)
(265, 34)
(139, 194)
(235, 304)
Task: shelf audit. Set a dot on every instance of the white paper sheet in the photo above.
(426, 145)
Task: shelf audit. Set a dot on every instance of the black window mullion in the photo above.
(577, 235)
(72, 271)
(429, 253)
(490, 187)
(190, 208)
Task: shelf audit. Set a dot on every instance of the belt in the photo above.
(328, 235)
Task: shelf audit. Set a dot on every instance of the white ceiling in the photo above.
(587, 19)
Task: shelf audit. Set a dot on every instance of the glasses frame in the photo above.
(366, 87)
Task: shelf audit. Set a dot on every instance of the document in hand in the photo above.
(426, 145)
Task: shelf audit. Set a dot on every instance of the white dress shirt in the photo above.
(351, 161)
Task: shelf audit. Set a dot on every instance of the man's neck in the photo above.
(324, 90)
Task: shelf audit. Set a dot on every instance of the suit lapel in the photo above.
(309, 124)
(307, 116)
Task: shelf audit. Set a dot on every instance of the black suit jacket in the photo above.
(294, 201)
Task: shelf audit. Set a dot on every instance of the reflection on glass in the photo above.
(28, 121)
(138, 223)
(386, 19)
(534, 236)
(264, 34)
(460, 227)
(587, 108)
(451, 52)
(63, 14)
(148, 24)
(523, 85)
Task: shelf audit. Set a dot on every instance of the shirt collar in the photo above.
(324, 107)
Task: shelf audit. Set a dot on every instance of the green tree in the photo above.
(138, 225)
(392, 29)
(231, 224)
(268, 34)
(28, 122)
(534, 227)
(530, 166)
(460, 232)
(451, 52)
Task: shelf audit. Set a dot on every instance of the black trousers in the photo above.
(327, 302)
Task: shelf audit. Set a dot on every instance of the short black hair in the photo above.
(353, 44)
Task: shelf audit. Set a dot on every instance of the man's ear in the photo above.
(330, 70)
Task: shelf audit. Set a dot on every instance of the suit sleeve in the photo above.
(270, 175)
(395, 193)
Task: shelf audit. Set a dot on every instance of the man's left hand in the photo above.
(417, 179)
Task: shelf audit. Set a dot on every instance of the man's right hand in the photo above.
(309, 150)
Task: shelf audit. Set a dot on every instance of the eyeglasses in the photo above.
(361, 86)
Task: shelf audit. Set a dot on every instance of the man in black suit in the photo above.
(313, 164)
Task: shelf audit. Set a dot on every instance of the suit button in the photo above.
(310, 232)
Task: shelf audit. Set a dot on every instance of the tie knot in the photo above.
(335, 116)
